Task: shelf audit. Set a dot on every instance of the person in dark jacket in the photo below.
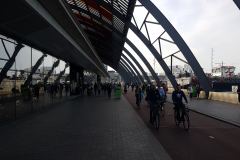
(153, 97)
(238, 92)
(177, 98)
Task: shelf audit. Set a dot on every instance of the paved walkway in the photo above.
(220, 110)
(86, 128)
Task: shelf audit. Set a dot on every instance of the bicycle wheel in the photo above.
(157, 121)
(186, 122)
(175, 118)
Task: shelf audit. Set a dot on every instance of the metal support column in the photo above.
(155, 54)
(10, 62)
(34, 69)
(133, 77)
(139, 66)
(131, 70)
(61, 74)
(129, 73)
(155, 77)
(125, 73)
(133, 67)
(55, 64)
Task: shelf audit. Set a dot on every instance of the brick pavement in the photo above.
(85, 128)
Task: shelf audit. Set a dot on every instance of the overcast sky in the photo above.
(203, 24)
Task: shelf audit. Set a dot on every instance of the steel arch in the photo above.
(155, 54)
(139, 66)
(124, 75)
(237, 2)
(10, 62)
(130, 71)
(33, 70)
(133, 75)
(141, 56)
(133, 67)
(120, 72)
(133, 78)
(172, 32)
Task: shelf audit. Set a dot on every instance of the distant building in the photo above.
(187, 68)
(114, 77)
(223, 71)
(177, 70)
(45, 70)
(35, 77)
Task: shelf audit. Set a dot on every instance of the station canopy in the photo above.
(106, 24)
(84, 33)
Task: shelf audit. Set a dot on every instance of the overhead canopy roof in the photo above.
(106, 24)
(82, 32)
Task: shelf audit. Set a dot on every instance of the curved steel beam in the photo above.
(128, 74)
(123, 75)
(133, 67)
(132, 75)
(136, 50)
(10, 62)
(237, 2)
(55, 64)
(139, 66)
(155, 54)
(132, 70)
(172, 32)
(34, 69)
(57, 80)
(135, 72)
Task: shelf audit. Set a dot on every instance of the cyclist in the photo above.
(162, 97)
(153, 97)
(138, 95)
(177, 98)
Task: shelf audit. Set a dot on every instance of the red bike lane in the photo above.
(207, 138)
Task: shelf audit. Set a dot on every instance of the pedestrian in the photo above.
(238, 92)
(60, 90)
(190, 91)
(152, 99)
(109, 90)
(66, 89)
(138, 95)
(99, 88)
(198, 91)
(132, 86)
(36, 91)
(95, 88)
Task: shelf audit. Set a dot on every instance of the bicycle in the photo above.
(184, 117)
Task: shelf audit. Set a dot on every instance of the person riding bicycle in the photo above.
(138, 95)
(177, 98)
(162, 97)
(153, 97)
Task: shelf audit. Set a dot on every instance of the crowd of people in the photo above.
(156, 96)
(96, 89)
